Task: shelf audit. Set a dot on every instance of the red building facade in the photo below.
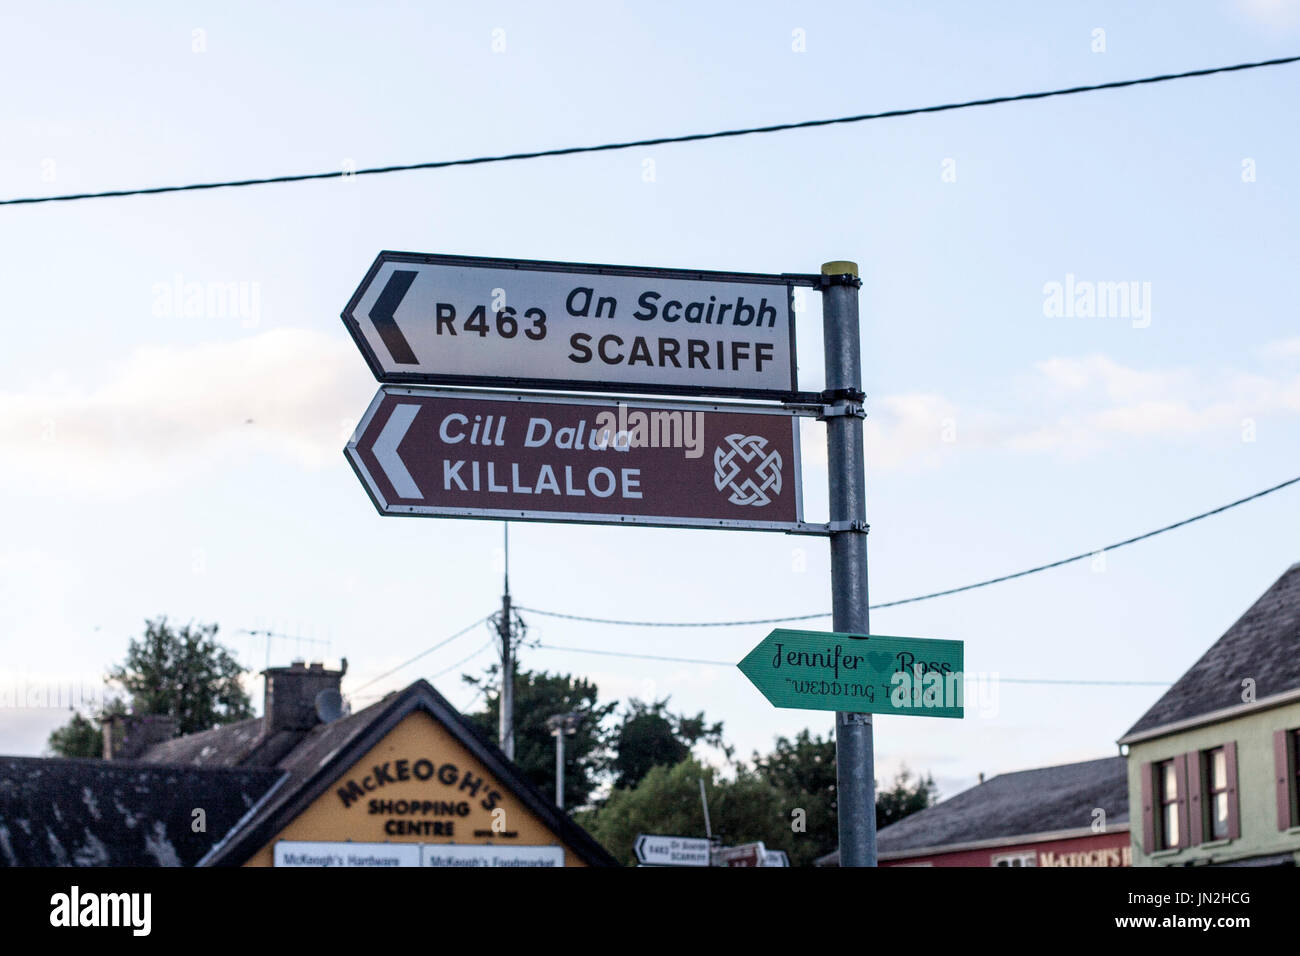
(1068, 815)
(1111, 848)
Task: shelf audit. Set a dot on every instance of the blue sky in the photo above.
(158, 462)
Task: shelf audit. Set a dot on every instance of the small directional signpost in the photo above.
(671, 851)
(819, 670)
(507, 324)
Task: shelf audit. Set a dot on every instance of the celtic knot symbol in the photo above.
(764, 470)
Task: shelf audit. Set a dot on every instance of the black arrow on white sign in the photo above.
(671, 850)
(386, 325)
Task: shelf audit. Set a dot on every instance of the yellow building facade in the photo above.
(420, 786)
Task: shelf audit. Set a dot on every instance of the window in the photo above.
(1016, 859)
(1167, 787)
(1212, 811)
(1295, 778)
(1166, 822)
(1286, 759)
(1215, 764)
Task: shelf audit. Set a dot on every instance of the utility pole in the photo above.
(505, 631)
(559, 767)
(854, 747)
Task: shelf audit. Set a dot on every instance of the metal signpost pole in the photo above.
(854, 757)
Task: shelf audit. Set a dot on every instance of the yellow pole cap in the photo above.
(840, 267)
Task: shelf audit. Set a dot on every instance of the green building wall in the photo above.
(1256, 788)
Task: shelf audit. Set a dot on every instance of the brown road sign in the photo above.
(497, 455)
(747, 854)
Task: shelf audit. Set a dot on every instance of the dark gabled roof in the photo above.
(1044, 800)
(76, 812)
(239, 744)
(328, 750)
(1263, 645)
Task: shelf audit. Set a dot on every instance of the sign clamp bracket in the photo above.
(835, 527)
(851, 409)
(824, 282)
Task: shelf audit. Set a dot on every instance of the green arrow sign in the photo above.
(822, 670)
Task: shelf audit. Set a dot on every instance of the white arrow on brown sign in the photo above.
(462, 454)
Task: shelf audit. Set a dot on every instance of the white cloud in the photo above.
(1278, 14)
(924, 428)
(903, 429)
(166, 409)
(1079, 405)
(1095, 401)
(1282, 349)
(1099, 373)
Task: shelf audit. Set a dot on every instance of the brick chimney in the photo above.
(127, 736)
(290, 702)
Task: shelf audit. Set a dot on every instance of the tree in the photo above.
(79, 737)
(747, 809)
(903, 799)
(804, 771)
(650, 736)
(183, 673)
(177, 672)
(667, 801)
(539, 695)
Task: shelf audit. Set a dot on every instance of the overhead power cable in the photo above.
(612, 620)
(656, 141)
(463, 660)
(695, 660)
(444, 642)
(932, 594)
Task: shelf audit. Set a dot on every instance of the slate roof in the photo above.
(76, 812)
(1043, 800)
(1263, 645)
(237, 744)
(314, 759)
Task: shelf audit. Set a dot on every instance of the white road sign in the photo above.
(347, 855)
(459, 320)
(672, 850)
(470, 855)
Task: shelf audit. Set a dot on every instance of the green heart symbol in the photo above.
(879, 660)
